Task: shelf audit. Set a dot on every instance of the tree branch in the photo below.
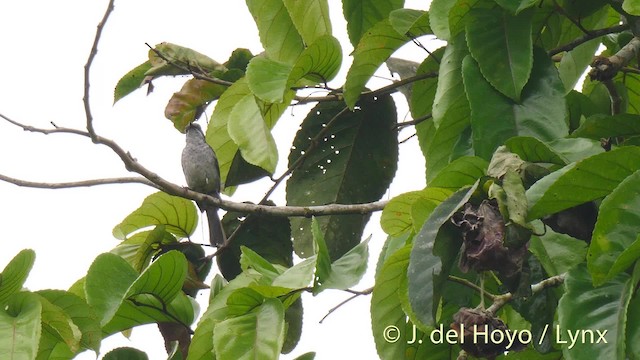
(606, 68)
(500, 300)
(75, 184)
(131, 164)
(586, 37)
(87, 68)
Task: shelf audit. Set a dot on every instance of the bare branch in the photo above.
(471, 285)
(586, 37)
(74, 184)
(606, 68)
(87, 70)
(355, 295)
(131, 164)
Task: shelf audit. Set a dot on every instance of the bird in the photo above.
(200, 167)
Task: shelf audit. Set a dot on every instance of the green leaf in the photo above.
(15, 274)
(460, 172)
(323, 259)
(278, 35)
(125, 353)
(632, 7)
(517, 6)
(386, 310)
(604, 126)
(343, 167)
(80, 314)
(218, 133)
(583, 307)
(373, 49)
(533, 150)
(20, 327)
(501, 45)
(163, 278)
(251, 133)
(130, 81)
(616, 231)
(424, 91)
(346, 271)
(256, 335)
(176, 54)
(495, 118)
(270, 80)
(307, 356)
(576, 149)
(427, 269)
(583, 181)
(459, 15)
(439, 18)
(633, 330)
(451, 110)
(58, 326)
(397, 218)
(361, 15)
(298, 276)
(318, 63)
(574, 63)
(402, 20)
(251, 259)
(179, 216)
(300, 13)
(557, 253)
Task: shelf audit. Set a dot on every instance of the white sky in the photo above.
(45, 46)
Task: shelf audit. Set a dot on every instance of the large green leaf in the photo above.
(586, 308)
(179, 216)
(430, 262)
(15, 274)
(300, 13)
(373, 49)
(592, 178)
(423, 92)
(256, 335)
(352, 163)
(397, 218)
(123, 299)
(616, 231)
(218, 133)
(557, 253)
(361, 15)
(20, 327)
(533, 150)
(604, 126)
(496, 118)
(81, 315)
(460, 172)
(451, 110)
(501, 45)
(515, 7)
(278, 34)
(346, 271)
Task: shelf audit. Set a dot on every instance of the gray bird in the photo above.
(200, 167)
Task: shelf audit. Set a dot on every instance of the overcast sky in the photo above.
(45, 45)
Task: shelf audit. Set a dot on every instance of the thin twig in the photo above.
(471, 285)
(411, 122)
(87, 68)
(75, 184)
(342, 303)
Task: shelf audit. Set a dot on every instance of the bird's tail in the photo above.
(216, 232)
